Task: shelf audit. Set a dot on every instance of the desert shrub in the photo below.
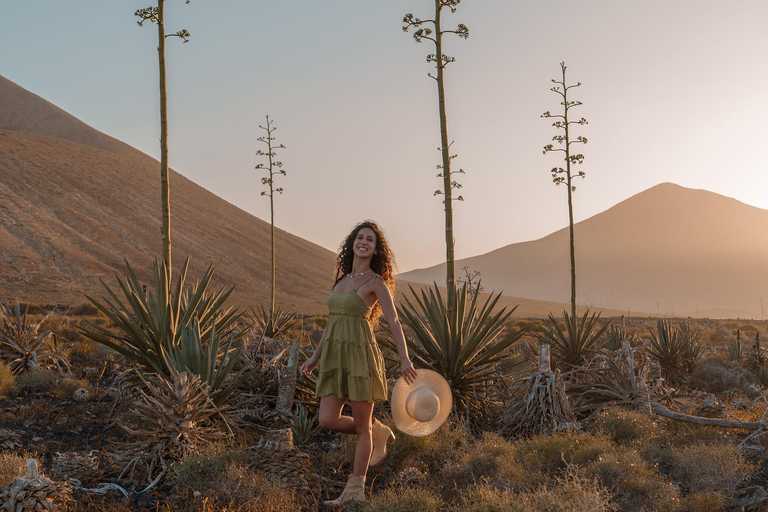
(10, 466)
(491, 460)
(83, 352)
(722, 336)
(715, 375)
(197, 470)
(623, 425)
(697, 502)
(404, 499)
(84, 309)
(7, 379)
(634, 484)
(37, 381)
(65, 388)
(708, 468)
(570, 493)
(549, 453)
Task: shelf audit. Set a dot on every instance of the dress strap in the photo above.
(374, 276)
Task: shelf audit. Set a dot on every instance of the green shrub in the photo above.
(10, 465)
(636, 487)
(624, 426)
(716, 375)
(7, 379)
(404, 499)
(37, 381)
(200, 469)
(708, 468)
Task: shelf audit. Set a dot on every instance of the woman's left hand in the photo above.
(408, 372)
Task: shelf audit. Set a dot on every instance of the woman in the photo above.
(348, 358)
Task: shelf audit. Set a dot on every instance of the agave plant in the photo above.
(151, 325)
(574, 343)
(273, 324)
(170, 420)
(734, 350)
(467, 346)
(613, 338)
(676, 350)
(22, 343)
(303, 425)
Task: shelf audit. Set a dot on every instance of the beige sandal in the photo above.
(353, 492)
(382, 436)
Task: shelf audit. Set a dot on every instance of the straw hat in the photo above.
(420, 408)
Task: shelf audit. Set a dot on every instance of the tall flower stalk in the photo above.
(435, 34)
(156, 15)
(560, 175)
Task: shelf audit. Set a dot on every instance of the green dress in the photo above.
(351, 363)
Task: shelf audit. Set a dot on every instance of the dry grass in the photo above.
(404, 499)
(65, 388)
(39, 381)
(7, 379)
(10, 466)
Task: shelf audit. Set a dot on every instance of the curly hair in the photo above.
(382, 262)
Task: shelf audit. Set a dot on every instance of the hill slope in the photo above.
(681, 250)
(74, 203)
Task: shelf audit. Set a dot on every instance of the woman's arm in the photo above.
(390, 313)
(311, 363)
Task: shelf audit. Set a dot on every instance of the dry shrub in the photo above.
(569, 493)
(7, 379)
(65, 388)
(550, 453)
(37, 381)
(699, 502)
(10, 466)
(492, 461)
(715, 375)
(709, 468)
(83, 352)
(635, 486)
(404, 499)
(624, 426)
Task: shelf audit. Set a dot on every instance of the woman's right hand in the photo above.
(309, 365)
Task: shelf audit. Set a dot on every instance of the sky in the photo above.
(674, 91)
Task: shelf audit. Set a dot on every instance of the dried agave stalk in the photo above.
(539, 402)
(172, 420)
(35, 493)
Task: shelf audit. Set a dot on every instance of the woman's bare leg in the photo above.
(330, 417)
(362, 413)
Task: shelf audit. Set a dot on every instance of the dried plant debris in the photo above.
(83, 467)
(9, 440)
(36, 494)
(539, 405)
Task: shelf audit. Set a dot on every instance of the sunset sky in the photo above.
(674, 91)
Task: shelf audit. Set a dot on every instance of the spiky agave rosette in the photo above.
(171, 419)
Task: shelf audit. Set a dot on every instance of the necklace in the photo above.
(360, 274)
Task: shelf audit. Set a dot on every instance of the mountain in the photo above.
(669, 249)
(75, 203)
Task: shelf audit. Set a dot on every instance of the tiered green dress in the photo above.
(351, 363)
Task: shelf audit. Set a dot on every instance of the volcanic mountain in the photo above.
(76, 203)
(669, 249)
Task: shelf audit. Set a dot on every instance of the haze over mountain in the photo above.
(74, 203)
(669, 249)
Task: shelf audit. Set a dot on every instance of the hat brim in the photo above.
(411, 426)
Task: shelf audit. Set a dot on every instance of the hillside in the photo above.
(74, 203)
(680, 251)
